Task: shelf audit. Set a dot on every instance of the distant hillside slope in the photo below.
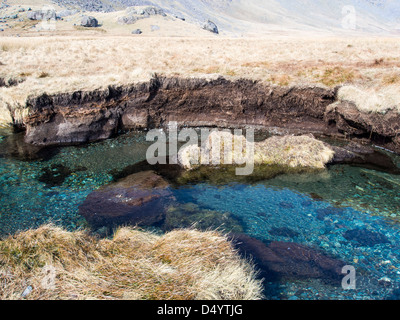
(244, 16)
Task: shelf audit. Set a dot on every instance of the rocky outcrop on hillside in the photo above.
(45, 14)
(89, 22)
(210, 26)
(134, 14)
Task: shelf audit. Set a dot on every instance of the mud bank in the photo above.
(81, 117)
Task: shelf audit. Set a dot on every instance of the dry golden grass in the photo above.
(293, 151)
(183, 264)
(91, 61)
(381, 99)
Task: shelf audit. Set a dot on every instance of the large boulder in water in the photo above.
(289, 260)
(138, 199)
(89, 22)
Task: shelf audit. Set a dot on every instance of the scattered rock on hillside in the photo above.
(11, 82)
(49, 14)
(134, 14)
(155, 28)
(176, 16)
(137, 31)
(139, 199)
(210, 26)
(128, 20)
(89, 22)
(67, 13)
(147, 11)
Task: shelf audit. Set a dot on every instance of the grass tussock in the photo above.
(391, 79)
(183, 264)
(282, 80)
(372, 99)
(224, 148)
(43, 75)
(293, 151)
(82, 28)
(335, 76)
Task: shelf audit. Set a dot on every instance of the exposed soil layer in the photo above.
(81, 117)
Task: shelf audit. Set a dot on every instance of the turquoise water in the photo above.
(314, 209)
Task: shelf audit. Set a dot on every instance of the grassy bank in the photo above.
(51, 263)
(82, 62)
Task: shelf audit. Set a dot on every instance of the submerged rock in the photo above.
(56, 174)
(190, 215)
(283, 232)
(330, 211)
(289, 260)
(365, 238)
(139, 199)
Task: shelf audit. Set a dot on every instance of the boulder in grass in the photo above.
(154, 28)
(67, 13)
(210, 26)
(146, 11)
(137, 31)
(177, 16)
(45, 14)
(89, 22)
(128, 20)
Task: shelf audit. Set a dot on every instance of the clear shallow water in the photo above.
(304, 204)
